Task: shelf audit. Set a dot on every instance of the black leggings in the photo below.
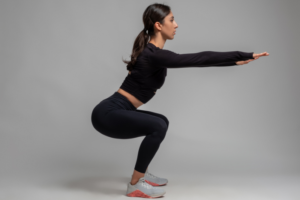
(117, 117)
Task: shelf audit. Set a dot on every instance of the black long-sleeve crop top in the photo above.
(150, 69)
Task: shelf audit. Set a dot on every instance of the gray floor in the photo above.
(92, 186)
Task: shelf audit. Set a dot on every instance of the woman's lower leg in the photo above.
(136, 176)
(147, 150)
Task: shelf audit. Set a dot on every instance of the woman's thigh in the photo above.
(125, 124)
(155, 114)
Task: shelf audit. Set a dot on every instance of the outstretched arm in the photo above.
(232, 63)
(169, 59)
(256, 56)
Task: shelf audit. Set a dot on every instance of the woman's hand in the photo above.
(255, 56)
(260, 54)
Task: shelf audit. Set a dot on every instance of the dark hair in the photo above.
(153, 13)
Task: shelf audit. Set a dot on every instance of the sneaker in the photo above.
(154, 180)
(143, 189)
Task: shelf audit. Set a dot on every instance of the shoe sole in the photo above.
(138, 193)
(154, 184)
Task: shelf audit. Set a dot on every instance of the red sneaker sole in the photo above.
(138, 193)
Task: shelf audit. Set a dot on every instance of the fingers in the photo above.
(260, 54)
(264, 54)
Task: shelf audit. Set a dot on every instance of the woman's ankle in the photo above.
(136, 177)
(133, 182)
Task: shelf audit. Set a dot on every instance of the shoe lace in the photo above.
(145, 184)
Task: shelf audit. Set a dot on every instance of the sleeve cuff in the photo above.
(246, 55)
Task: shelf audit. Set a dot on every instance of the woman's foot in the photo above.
(143, 189)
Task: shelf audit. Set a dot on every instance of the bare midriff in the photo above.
(137, 103)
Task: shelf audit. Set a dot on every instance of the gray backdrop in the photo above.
(60, 58)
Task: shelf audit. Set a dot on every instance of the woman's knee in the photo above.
(165, 119)
(160, 129)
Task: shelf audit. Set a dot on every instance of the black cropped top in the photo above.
(150, 69)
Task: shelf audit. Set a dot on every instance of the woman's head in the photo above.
(158, 22)
(159, 19)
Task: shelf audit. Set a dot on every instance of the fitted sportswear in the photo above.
(116, 117)
(150, 70)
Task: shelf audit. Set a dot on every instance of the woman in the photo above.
(118, 117)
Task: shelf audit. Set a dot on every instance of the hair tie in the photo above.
(146, 30)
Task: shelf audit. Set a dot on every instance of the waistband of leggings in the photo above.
(118, 95)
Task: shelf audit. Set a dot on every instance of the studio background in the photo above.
(60, 58)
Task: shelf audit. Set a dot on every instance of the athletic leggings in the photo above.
(116, 117)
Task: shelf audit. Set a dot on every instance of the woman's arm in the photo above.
(169, 59)
(232, 63)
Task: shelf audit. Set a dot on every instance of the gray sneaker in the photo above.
(143, 189)
(154, 180)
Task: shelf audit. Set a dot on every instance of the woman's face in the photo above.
(169, 26)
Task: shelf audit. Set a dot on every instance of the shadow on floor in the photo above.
(102, 185)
